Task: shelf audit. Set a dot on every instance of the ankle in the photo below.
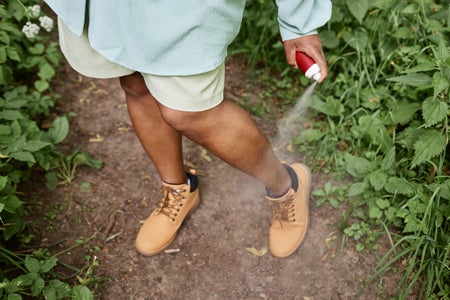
(280, 192)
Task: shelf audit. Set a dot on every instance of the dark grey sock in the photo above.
(294, 183)
(193, 181)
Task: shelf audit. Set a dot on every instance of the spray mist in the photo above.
(288, 125)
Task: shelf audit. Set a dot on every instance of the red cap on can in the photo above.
(304, 61)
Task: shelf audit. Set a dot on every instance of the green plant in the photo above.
(67, 166)
(330, 194)
(40, 278)
(382, 117)
(29, 133)
(391, 96)
(26, 67)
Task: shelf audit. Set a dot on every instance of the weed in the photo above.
(381, 117)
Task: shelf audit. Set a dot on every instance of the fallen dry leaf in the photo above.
(98, 139)
(257, 252)
(123, 129)
(204, 154)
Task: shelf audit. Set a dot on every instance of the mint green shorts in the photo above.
(186, 93)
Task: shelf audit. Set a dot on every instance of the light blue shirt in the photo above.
(184, 37)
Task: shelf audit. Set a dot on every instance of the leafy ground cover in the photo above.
(383, 120)
(29, 133)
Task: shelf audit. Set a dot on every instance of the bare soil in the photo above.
(209, 259)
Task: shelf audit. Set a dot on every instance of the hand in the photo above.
(312, 46)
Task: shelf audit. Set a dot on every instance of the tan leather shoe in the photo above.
(290, 215)
(161, 227)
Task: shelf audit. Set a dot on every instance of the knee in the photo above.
(180, 120)
(133, 85)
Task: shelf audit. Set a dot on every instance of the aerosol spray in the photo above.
(311, 70)
(307, 65)
(288, 125)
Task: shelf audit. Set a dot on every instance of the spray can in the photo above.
(307, 65)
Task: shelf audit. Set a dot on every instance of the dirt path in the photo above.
(209, 259)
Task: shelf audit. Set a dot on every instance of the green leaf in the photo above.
(357, 189)
(16, 224)
(32, 264)
(46, 72)
(430, 144)
(412, 226)
(79, 158)
(442, 53)
(14, 297)
(12, 203)
(16, 104)
(402, 112)
(27, 279)
(12, 54)
(357, 39)
(48, 264)
(10, 115)
(309, 135)
(445, 189)
(51, 180)
(5, 130)
(82, 293)
(378, 179)
(388, 160)
(398, 185)
(411, 9)
(3, 181)
(440, 84)
(37, 286)
(382, 203)
(358, 167)
(18, 144)
(37, 49)
(59, 130)
(413, 79)
(41, 85)
(329, 39)
(424, 66)
(375, 131)
(2, 55)
(49, 293)
(434, 111)
(358, 8)
(375, 212)
(23, 156)
(33, 146)
(331, 106)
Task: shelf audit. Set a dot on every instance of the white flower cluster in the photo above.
(34, 10)
(46, 23)
(30, 29)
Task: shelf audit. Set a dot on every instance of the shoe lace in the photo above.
(283, 210)
(171, 203)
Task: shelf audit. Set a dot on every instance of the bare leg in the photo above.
(230, 133)
(161, 142)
